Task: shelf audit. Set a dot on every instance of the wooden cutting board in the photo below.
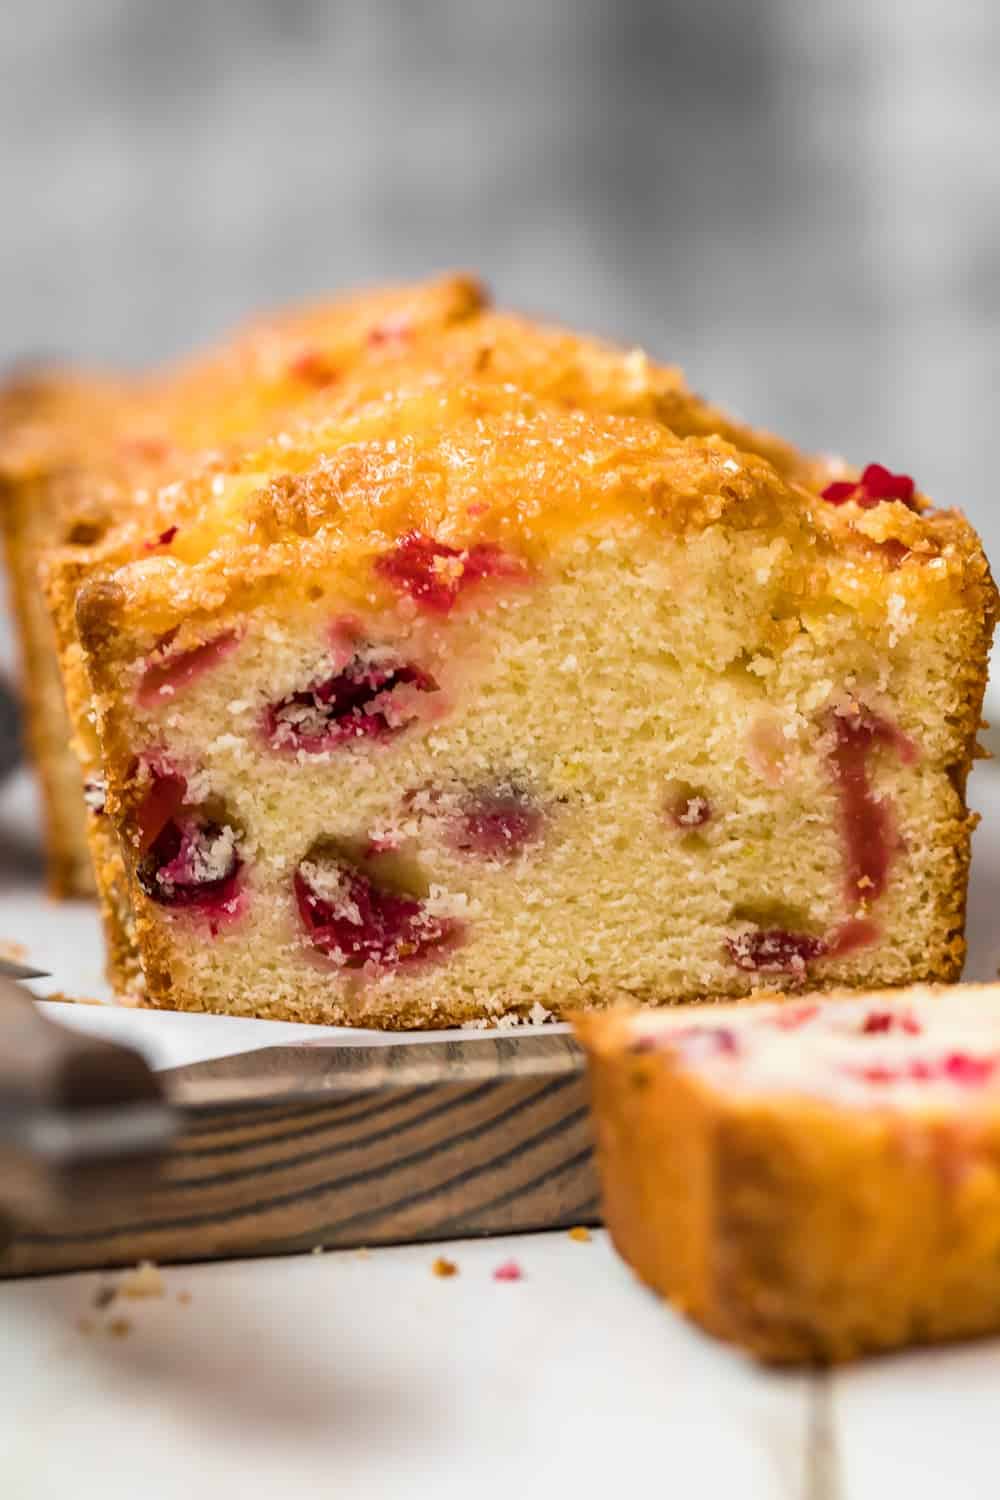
(290, 1148)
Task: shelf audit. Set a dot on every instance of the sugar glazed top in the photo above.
(438, 481)
(371, 441)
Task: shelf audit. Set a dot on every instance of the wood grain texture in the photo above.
(375, 1145)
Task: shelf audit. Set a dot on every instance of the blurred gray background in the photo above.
(799, 200)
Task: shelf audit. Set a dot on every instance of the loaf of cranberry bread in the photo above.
(445, 331)
(812, 1180)
(461, 705)
(77, 453)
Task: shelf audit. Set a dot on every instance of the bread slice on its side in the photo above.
(462, 706)
(812, 1180)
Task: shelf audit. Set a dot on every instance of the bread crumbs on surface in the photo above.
(144, 1281)
(580, 1233)
(104, 1295)
(16, 952)
(444, 1267)
(120, 1328)
(318, 1250)
(184, 1298)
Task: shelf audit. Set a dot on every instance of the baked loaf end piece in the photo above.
(813, 1180)
(53, 423)
(464, 707)
(84, 468)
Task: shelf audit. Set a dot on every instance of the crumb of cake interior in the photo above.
(463, 705)
(812, 1180)
(77, 453)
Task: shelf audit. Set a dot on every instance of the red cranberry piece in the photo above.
(163, 540)
(161, 803)
(879, 483)
(192, 862)
(314, 367)
(957, 1067)
(867, 821)
(880, 1022)
(169, 675)
(960, 1067)
(364, 701)
(706, 1041)
(688, 809)
(498, 824)
(774, 951)
(356, 921)
(840, 491)
(875, 485)
(434, 574)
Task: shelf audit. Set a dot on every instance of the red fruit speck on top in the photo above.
(314, 367)
(163, 540)
(876, 484)
(434, 574)
(510, 1270)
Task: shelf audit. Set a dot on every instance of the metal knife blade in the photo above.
(11, 970)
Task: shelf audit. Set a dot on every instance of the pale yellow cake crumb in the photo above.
(144, 1281)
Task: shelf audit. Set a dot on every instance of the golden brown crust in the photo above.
(327, 500)
(799, 1231)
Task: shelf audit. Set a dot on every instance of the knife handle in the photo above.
(45, 1066)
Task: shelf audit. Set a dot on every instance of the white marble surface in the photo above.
(365, 1375)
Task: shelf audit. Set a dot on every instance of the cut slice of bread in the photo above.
(815, 1179)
